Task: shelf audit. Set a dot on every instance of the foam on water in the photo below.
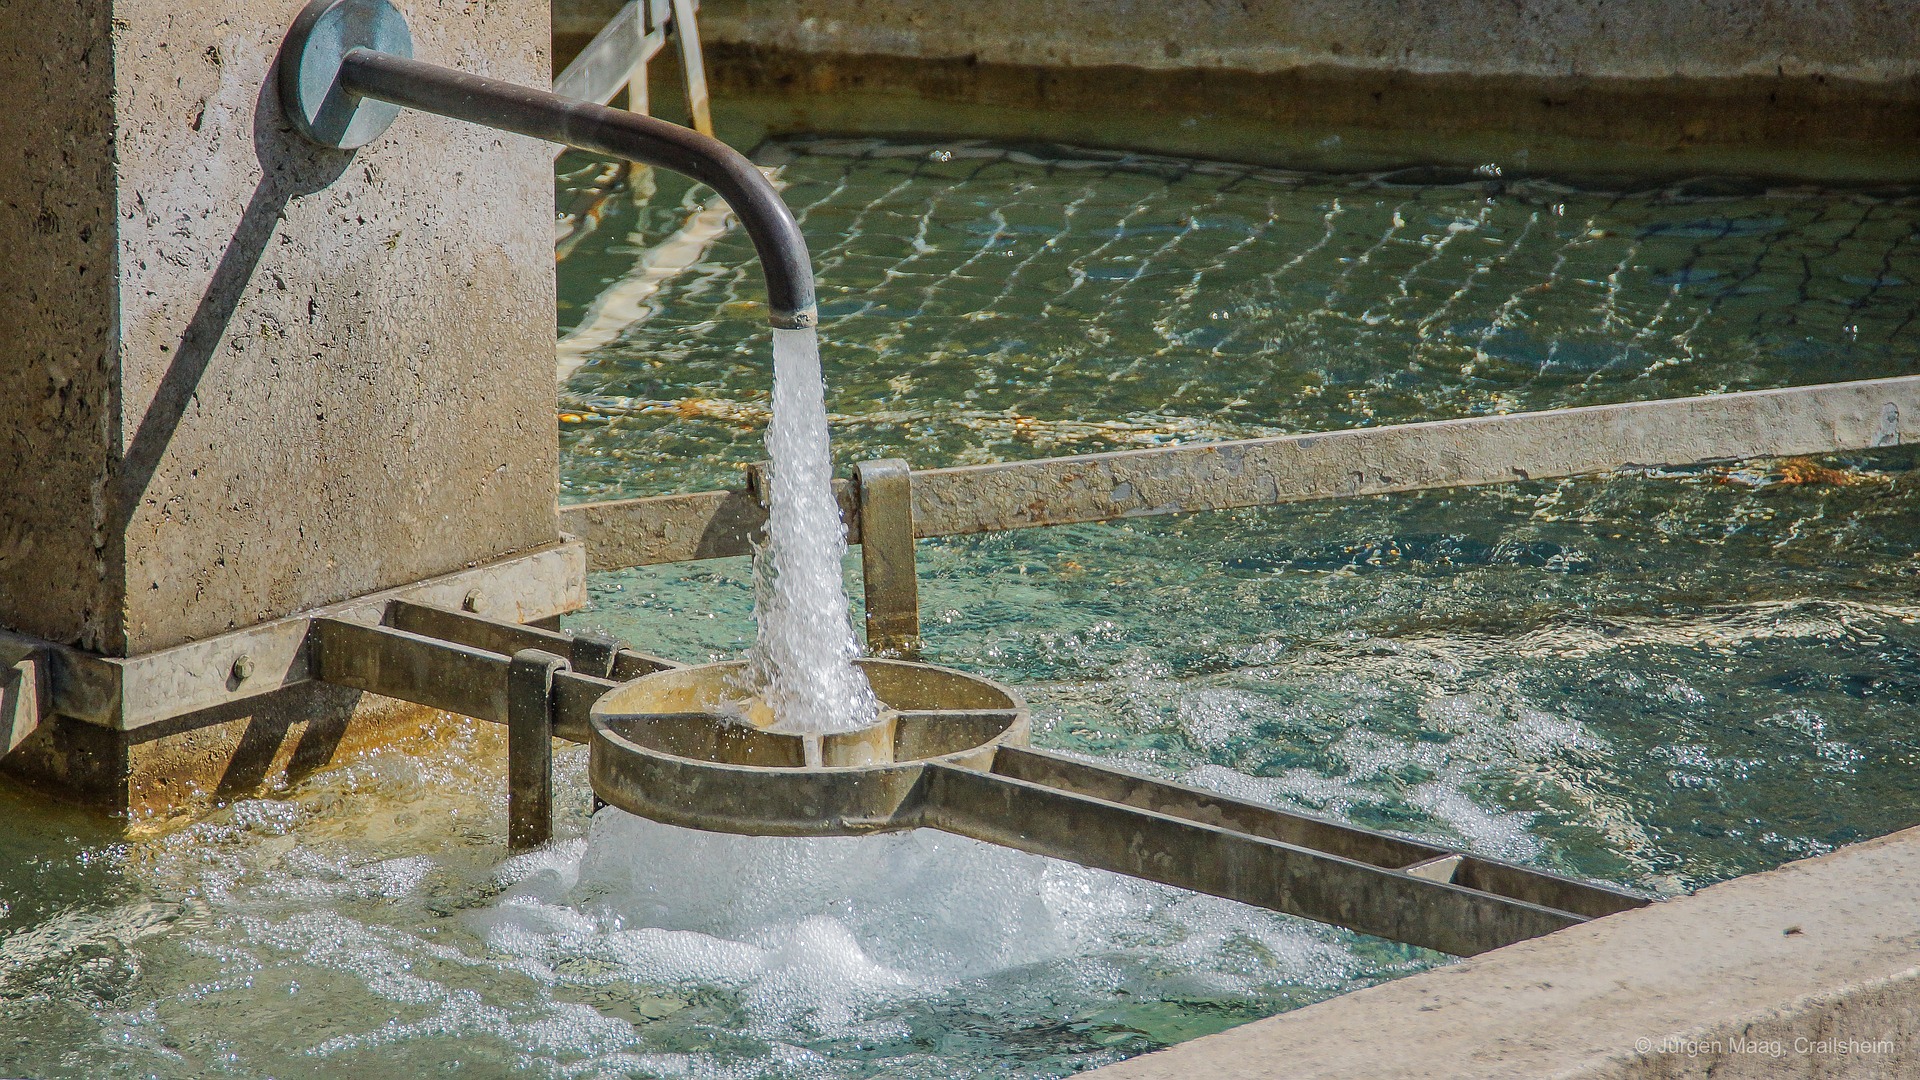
(801, 663)
(830, 938)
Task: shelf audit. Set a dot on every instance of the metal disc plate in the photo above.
(310, 91)
(660, 750)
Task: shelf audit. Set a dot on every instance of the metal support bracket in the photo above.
(885, 499)
(22, 704)
(530, 724)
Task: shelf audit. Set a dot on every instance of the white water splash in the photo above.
(801, 663)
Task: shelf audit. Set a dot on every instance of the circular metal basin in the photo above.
(668, 746)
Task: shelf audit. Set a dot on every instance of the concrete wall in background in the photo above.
(247, 376)
(1819, 89)
(1870, 40)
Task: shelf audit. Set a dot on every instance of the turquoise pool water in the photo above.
(1662, 678)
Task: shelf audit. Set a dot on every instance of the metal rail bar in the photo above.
(583, 652)
(1318, 885)
(454, 675)
(681, 528)
(411, 667)
(1334, 837)
(617, 133)
(1294, 468)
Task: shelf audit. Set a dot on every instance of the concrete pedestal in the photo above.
(248, 377)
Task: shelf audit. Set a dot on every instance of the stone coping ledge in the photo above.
(1810, 970)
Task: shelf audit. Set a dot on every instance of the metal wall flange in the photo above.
(316, 46)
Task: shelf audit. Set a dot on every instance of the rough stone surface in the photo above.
(1811, 970)
(1870, 40)
(286, 376)
(57, 321)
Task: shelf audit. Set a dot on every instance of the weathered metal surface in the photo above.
(459, 662)
(22, 706)
(573, 696)
(595, 654)
(885, 499)
(530, 724)
(662, 749)
(587, 654)
(1223, 862)
(411, 667)
(1293, 468)
(133, 692)
(677, 528)
(1430, 861)
(1411, 457)
(324, 32)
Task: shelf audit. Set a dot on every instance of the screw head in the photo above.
(242, 668)
(473, 601)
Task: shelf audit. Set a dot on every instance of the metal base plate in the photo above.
(310, 92)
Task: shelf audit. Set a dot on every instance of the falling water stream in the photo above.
(801, 662)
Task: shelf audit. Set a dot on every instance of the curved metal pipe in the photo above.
(492, 103)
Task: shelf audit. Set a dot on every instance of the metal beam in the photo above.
(453, 675)
(127, 693)
(1412, 457)
(412, 667)
(1388, 852)
(1224, 862)
(679, 528)
(1294, 468)
(693, 67)
(585, 653)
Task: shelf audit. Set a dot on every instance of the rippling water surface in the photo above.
(1662, 678)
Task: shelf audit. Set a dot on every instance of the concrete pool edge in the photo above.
(1807, 970)
(1788, 90)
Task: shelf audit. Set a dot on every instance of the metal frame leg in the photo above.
(886, 557)
(530, 747)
